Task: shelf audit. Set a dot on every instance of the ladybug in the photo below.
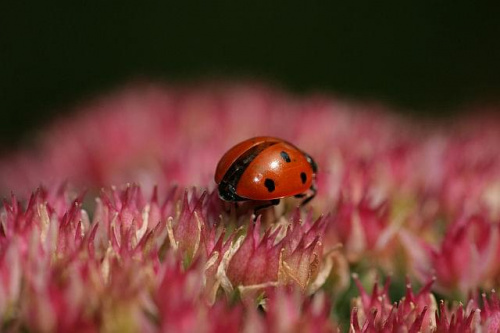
(268, 169)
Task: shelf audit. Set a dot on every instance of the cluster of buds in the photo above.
(419, 312)
(148, 264)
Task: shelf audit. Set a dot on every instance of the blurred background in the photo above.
(425, 57)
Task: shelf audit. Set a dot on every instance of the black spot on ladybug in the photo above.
(269, 184)
(303, 177)
(285, 157)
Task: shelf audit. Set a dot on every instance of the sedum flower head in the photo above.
(396, 197)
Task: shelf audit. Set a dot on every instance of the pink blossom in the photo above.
(256, 261)
(288, 311)
(375, 312)
(466, 258)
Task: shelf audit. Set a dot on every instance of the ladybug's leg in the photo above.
(309, 198)
(273, 202)
(301, 195)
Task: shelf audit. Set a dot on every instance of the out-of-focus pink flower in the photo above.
(466, 258)
(362, 227)
(177, 298)
(287, 310)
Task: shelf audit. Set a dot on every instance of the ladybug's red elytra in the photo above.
(265, 169)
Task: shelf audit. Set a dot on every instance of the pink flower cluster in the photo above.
(168, 265)
(412, 199)
(150, 265)
(420, 312)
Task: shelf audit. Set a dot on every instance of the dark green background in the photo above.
(425, 56)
